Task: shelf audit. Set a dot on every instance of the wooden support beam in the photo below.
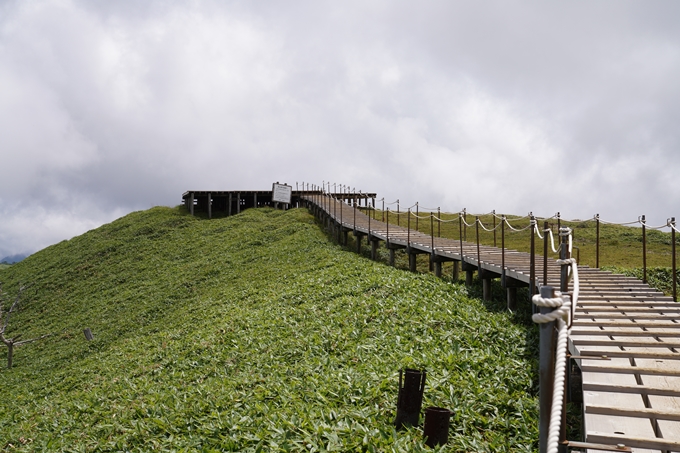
(511, 292)
(469, 274)
(486, 289)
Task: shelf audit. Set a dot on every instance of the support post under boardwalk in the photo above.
(438, 268)
(511, 292)
(456, 271)
(358, 241)
(374, 249)
(486, 288)
(412, 262)
(392, 257)
(468, 277)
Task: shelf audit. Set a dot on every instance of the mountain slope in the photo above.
(250, 332)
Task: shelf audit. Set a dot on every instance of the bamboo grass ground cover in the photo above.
(251, 333)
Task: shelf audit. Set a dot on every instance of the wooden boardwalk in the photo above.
(625, 335)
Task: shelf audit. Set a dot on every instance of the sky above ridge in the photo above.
(110, 107)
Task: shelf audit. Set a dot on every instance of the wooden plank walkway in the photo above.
(631, 385)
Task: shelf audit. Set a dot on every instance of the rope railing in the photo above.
(555, 307)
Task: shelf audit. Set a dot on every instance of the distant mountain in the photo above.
(13, 258)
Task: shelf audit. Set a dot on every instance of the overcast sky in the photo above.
(110, 107)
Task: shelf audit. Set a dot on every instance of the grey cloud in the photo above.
(108, 107)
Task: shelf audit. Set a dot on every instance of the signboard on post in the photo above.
(281, 193)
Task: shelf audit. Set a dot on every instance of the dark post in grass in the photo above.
(644, 249)
(410, 398)
(439, 222)
(436, 426)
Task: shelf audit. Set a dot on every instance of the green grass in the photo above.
(4, 266)
(252, 333)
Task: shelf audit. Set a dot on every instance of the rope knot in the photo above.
(562, 308)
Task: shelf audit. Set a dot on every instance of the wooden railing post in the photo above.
(417, 214)
(439, 222)
(408, 231)
(545, 253)
(644, 250)
(398, 214)
(597, 241)
(673, 268)
(479, 259)
(493, 214)
(465, 224)
(532, 262)
(432, 231)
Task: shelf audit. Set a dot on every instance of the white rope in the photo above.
(552, 240)
(517, 229)
(489, 229)
(465, 223)
(535, 224)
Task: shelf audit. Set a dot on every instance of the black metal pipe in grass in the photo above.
(410, 397)
(436, 426)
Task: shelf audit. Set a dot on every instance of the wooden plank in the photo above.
(636, 413)
(629, 370)
(635, 389)
(633, 441)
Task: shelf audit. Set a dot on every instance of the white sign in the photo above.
(281, 193)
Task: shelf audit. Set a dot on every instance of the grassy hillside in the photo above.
(250, 333)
